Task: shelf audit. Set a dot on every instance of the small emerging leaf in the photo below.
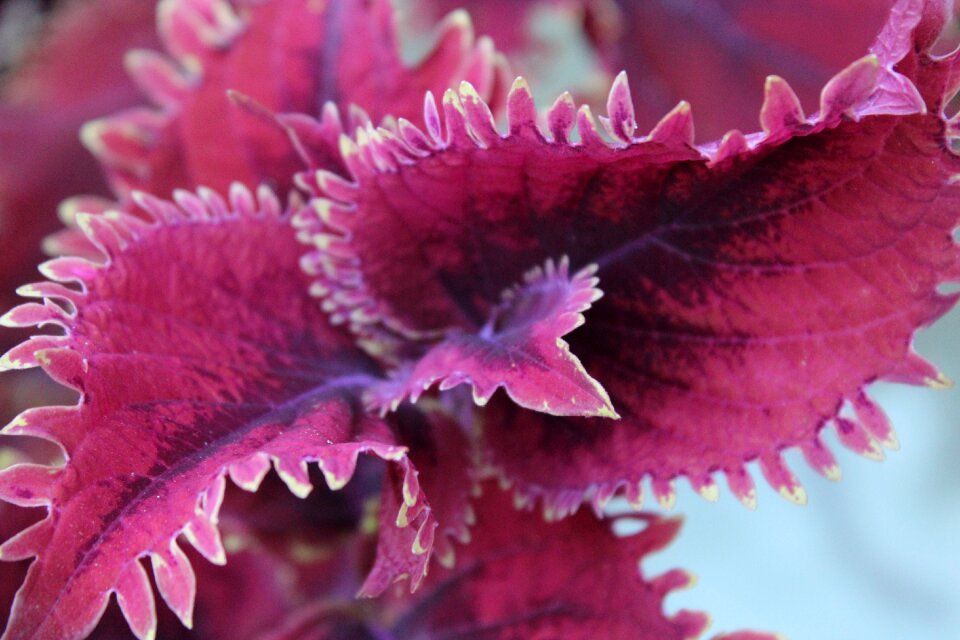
(519, 348)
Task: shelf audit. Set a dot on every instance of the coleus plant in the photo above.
(508, 321)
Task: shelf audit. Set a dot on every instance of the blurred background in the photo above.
(875, 556)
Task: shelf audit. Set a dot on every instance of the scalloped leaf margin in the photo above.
(199, 376)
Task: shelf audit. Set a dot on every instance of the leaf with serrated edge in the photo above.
(409, 530)
(521, 577)
(188, 361)
(520, 348)
(716, 54)
(71, 73)
(749, 297)
(255, 60)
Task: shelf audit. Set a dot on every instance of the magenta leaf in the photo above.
(519, 348)
(440, 454)
(192, 365)
(229, 68)
(72, 73)
(284, 555)
(520, 577)
(12, 520)
(557, 44)
(716, 54)
(753, 286)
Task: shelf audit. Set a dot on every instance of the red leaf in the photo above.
(519, 348)
(752, 287)
(557, 44)
(230, 68)
(410, 529)
(523, 578)
(716, 54)
(72, 73)
(197, 354)
(13, 519)
(284, 554)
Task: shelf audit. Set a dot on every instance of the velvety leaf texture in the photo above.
(231, 67)
(503, 308)
(753, 287)
(523, 578)
(440, 453)
(191, 364)
(72, 73)
(519, 348)
(716, 53)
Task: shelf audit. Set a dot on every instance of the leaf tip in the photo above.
(9, 320)
(709, 491)
(91, 136)
(620, 109)
(665, 493)
(781, 107)
(941, 382)
(850, 87)
(458, 18)
(468, 91)
(520, 85)
(348, 148)
(795, 494)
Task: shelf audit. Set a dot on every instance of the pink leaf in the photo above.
(72, 73)
(189, 362)
(518, 579)
(716, 54)
(753, 287)
(286, 554)
(412, 528)
(519, 348)
(14, 519)
(523, 578)
(229, 69)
